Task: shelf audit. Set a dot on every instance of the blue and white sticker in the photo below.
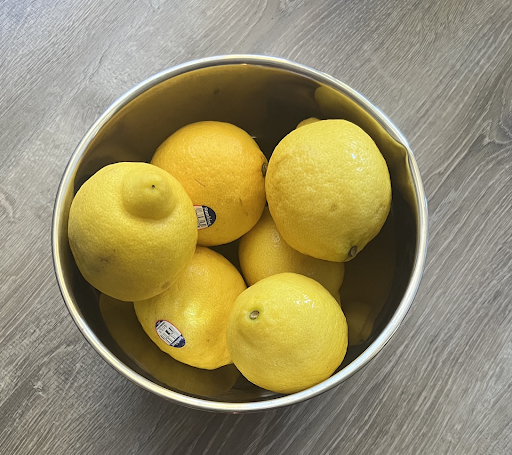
(205, 216)
(169, 334)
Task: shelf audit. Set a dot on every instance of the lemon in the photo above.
(222, 169)
(286, 333)
(188, 321)
(132, 229)
(308, 121)
(263, 252)
(125, 329)
(328, 189)
(360, 318)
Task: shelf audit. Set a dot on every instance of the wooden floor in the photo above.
(441, 70)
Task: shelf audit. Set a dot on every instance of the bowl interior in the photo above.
(268, 102)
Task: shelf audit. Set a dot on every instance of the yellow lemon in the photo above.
(188, 321)
(263, 252)
(360, 318)
(308, 121)
(132, 229)
(328, 189)
(222, 169)
(287, 333)
(125, 329)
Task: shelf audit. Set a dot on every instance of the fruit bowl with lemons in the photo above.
(240, 233)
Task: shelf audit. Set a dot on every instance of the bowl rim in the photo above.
(370, 352)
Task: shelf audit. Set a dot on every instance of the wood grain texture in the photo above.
(441, 70)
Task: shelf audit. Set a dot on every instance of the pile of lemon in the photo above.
(140, 233)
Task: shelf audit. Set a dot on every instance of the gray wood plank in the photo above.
(440, 70)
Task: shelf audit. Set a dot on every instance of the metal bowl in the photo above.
(267, 97)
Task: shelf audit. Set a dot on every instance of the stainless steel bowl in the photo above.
(267, 97)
